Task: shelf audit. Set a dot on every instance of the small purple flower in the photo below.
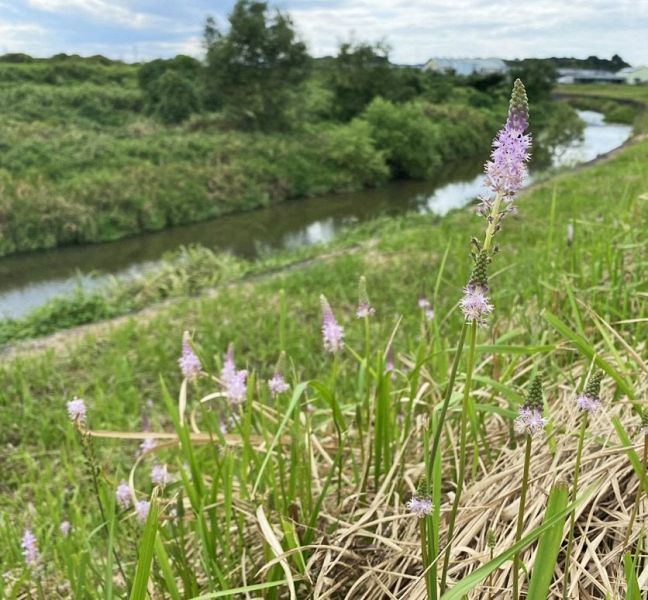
(475, 304)
(76, 409)
(421, 507)
(530, 421)
(278, 384)
(332, 331)
(29, 546)
(429, 314)
(147, 445)
(365, 310)
(233, 380)
(189, 362)
(65, 527)
(160, 475)
(423, 303)
(123, 495)
(588, 404)
(142, 510)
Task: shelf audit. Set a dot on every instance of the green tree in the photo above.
(255, 70)
(539, 76)
(177, 97)
(359, 73)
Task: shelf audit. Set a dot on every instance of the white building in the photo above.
(467, 66)
(635, 75)
(569, 75)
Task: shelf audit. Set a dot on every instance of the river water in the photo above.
(29, 280)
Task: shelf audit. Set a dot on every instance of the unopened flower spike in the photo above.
(364, 306)
(332, 331)
(589, 400)
(530, 419)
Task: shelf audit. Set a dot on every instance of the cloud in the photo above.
(112, 11)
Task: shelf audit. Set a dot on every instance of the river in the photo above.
(29, 280)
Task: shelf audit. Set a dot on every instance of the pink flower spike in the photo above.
(278, 385)
(189, 363)
(332, 331)
(29, 545)
(421, 507)
(123, 495)
(142, 510)
(530, 421)
(76, 409)
(65, 527)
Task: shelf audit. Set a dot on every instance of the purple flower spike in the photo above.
(147, 445)
(29, 545)
(423, 303)
(278, 384)
(364, 306)
(65, 527)
(189, 363)
(76, 409)
(234, 381)
(507, 169)
(160, 475)
(421, 507)
(123, 495)
(142, 510)
(332, 331)
(530, 421)
(475, 304)
(588, 404)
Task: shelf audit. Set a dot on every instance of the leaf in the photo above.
(469, 583)
(146, 548)
(588, 350)
(298, 391)
(633, 591)
(549, 545)
(241, 590)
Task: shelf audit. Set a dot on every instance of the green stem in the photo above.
(520, 519)
(446, 400)
(462, 452)
(429, 580)
(642, 482)
(493, 221)
(572, 518)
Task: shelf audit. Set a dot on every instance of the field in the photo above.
(305, 494)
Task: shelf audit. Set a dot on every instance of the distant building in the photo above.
(467, 66)
(569, 75)
(634, 75)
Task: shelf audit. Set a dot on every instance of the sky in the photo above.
(416, 30)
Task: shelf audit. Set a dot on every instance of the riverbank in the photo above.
(590, 275)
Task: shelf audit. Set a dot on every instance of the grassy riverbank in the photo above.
(84, 158)
(590, 280)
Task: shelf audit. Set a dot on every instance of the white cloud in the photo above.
(113, 11)
(23, 37)
(418, 29)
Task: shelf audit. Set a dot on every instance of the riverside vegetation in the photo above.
(386, 461)
(94, 150)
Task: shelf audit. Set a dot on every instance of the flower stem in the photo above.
(493, 221)
(430, 583)
(446, 400)
(572, 518)
(520, 519)
(462, 452)
(642, 483)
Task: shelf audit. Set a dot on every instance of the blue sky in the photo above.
(416, 29)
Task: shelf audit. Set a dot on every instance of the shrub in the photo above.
(406, 135)
(177, 98)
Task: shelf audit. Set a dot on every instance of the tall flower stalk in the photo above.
(505, 174)
(589, 403)
(530, 422)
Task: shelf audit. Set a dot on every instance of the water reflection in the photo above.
(27, 281)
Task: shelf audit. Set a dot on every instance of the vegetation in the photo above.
(94, 150)
(305, 492)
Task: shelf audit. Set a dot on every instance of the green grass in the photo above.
(119, 369)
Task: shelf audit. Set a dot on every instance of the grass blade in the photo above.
(146, 549)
